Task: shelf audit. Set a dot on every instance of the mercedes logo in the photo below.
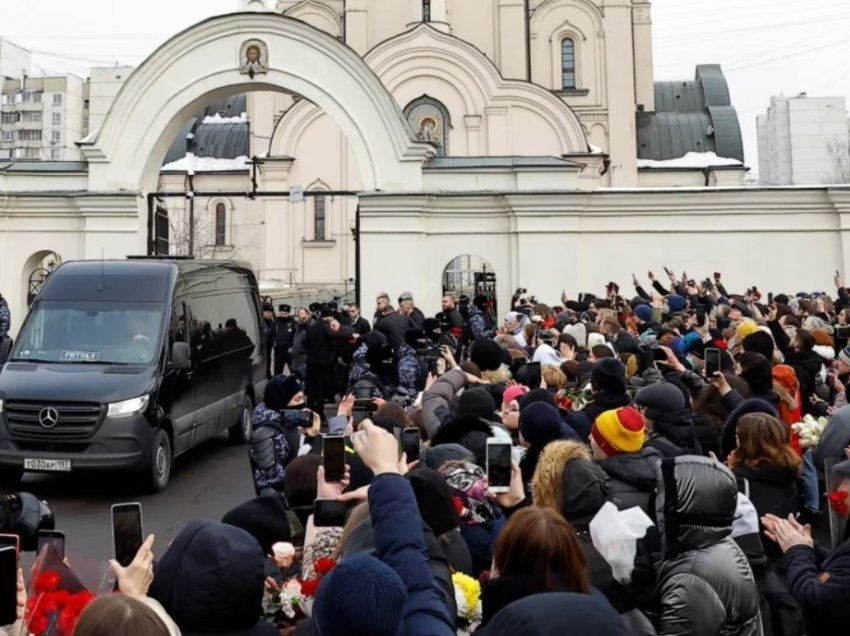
(48, 417)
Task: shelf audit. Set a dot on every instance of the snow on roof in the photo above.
(206, 164)
(218, 119)
(690, 160)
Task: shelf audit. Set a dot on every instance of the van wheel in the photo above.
(240, 433)
(11, 477)
(161, 461)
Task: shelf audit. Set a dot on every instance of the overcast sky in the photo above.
(766, 47)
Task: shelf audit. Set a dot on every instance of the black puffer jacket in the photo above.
(773, 490)
(633, 477)
(705, 582)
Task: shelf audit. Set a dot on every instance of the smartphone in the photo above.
(53, 538)
(532, 377)
(499, 464)
(297, 417)
(333, 457)
(712, 362)
(769, 298)
(708, 284)
(329, 513)
(8, 585)
(366, 405)
(410, 440)
(127, 536)
(11, 539)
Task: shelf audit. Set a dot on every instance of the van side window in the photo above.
(241, 332)
(206, 327)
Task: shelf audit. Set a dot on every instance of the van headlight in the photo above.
(129, 407)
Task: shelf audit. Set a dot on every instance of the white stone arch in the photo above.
(202, 64)
(318, 14)
(582, 20)
(403, 61)
(46, 260)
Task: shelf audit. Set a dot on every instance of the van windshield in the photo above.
(91, 332)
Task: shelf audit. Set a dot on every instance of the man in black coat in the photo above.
(406, 307)
(391, 323)
(360, 325)
(322, 334)
(284, 336)
(268, 336)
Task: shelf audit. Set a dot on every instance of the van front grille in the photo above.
(52, 419)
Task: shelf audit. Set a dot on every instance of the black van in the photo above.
(124, 365)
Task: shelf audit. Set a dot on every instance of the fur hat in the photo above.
(487, 354)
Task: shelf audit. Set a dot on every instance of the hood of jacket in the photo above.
(638, 469)
(678, 427)
(585, 490)
(469, 432)
(695, 504)
(808, 361)
(544, 615)
(210, 580)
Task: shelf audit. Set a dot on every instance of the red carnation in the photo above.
(67, 620)
(47, 582)
(458, 505)
(309, 587)
(838, 502)
(77, 602)
(39, 624)
(324, 565)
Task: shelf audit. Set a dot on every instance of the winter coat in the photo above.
(437, 401)
(773, 490)
(633, 477)
(5, 319)
(273, 445)
(673, 435)
(556, 614)
(211, 580)
(582, 421)
(393, 325)
(480, 326)
(471, 433)
(706, 586)
(409, 369)
(807, 365)
(284, 332)
(820, 583)
(361, 326)
(399, 543)
(835, 438)
(744, 407)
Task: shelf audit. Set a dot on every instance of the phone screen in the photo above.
(8, 585)
(329, 513)
(333, 452)
(53, 538)
(712, 362)
(410, 437)
(533, 375)
(499, 464)
(127, 531)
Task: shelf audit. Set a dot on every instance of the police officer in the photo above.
(268, 336)
(285, 329)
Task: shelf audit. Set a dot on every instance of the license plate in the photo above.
(48, 465)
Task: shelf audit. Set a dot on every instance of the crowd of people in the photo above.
(721, 418)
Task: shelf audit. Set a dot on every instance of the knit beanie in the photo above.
(675, 303)
(619, 431)
(660, 398)
(746, 328)
(759, 342)
(513, 393)
(540, 424)
(476, 403)
(487, 354)
(361, 596)
(609, 376)
(644, 313)
(264, 518)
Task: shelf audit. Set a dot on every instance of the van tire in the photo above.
(240, 433)
(161, 462)
(11, 477)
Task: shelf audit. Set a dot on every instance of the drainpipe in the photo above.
(707, 172)
(528, 40)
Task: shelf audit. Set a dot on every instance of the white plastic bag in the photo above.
(615, 534)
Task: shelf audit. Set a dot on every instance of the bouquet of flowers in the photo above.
(468, 599)
(286, 604)
(56, 597)
(810, 430)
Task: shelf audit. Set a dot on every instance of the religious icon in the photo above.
(428, 129)
(254, 57)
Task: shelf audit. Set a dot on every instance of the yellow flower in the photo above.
(470, 590)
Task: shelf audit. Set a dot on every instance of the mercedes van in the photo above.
(125, 365)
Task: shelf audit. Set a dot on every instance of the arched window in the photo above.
(319, 217)
(426, 10)
(568, 63)
(220, 225)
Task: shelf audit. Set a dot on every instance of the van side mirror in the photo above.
(5, 349)
(180, 356)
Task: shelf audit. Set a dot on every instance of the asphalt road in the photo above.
(206, 483)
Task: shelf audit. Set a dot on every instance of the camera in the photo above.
(24, 514)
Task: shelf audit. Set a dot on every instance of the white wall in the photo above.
(104, 84)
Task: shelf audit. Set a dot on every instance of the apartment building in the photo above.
(799, 139)
(41, 118)
(99, 92)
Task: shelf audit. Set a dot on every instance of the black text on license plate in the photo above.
(48, 465)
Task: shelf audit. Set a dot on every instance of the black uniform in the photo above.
(268, 339)
(285, 330)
